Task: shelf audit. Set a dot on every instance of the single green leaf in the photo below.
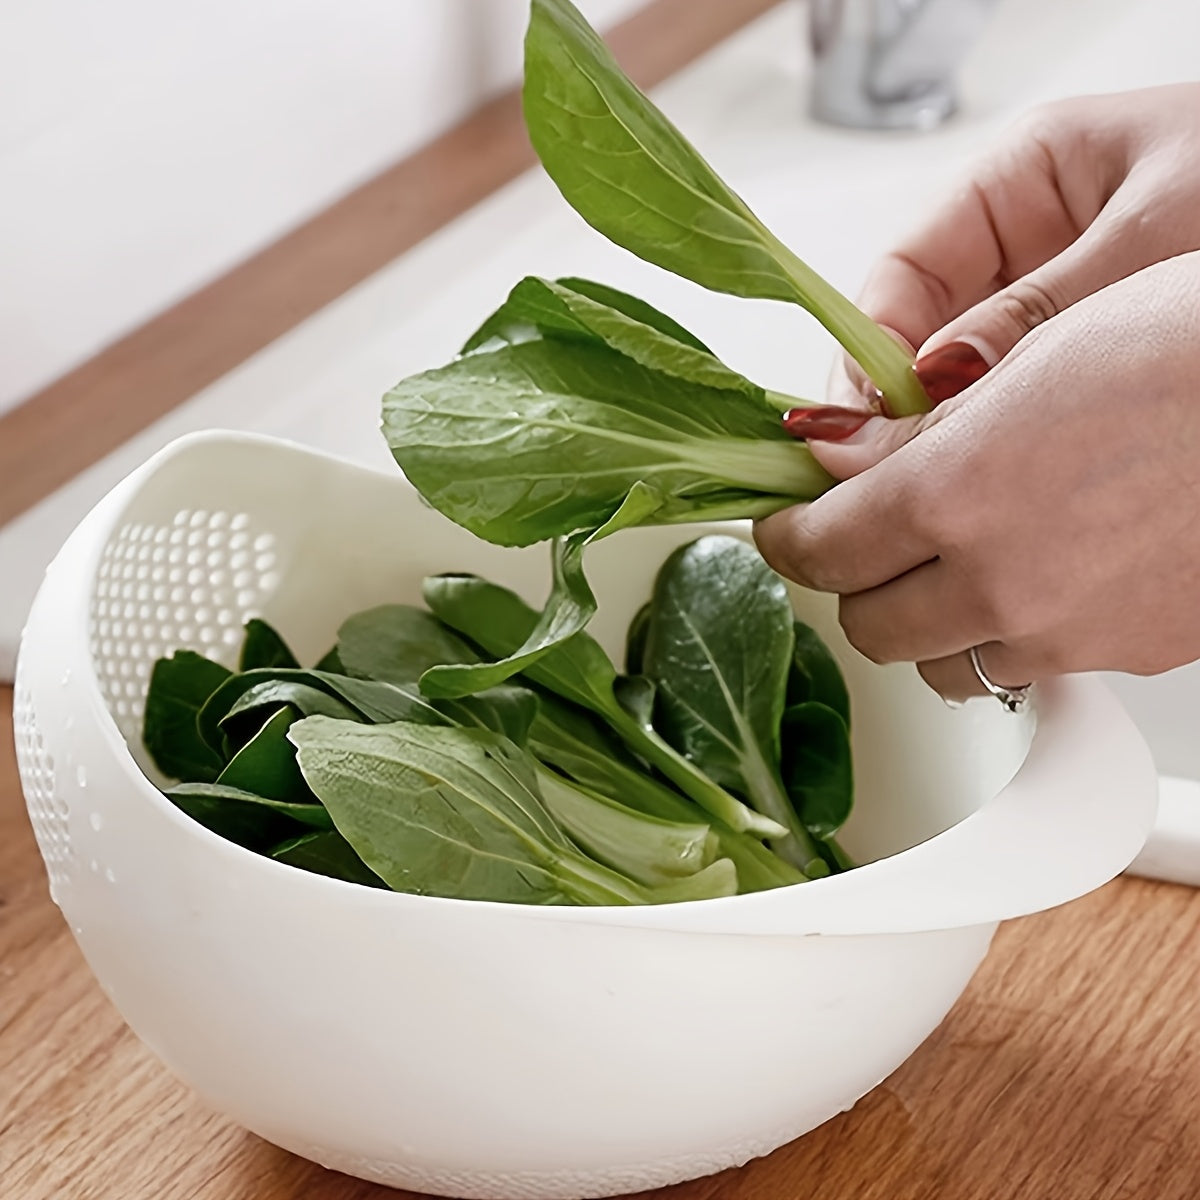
(232, 715)
(263, 647)
(719, 647)
(179, 686)
(449, 812)
(326, 853)
(647, 849)
(240, 703)
(398, 643)
(498, 621)
(522, 317)
(635, 178)
(546, 438)
(815, 674)
(266, 764)
(541, 308)
(329, 661)
(242, 817)
(818, 767)
(638, 309)
(570, 606)
(635, 640)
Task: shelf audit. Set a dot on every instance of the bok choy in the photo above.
(576, 410)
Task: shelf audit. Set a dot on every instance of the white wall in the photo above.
(146, 146)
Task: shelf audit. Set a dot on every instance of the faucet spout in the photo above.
(889, 64)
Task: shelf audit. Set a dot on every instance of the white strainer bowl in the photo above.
(485, 1050)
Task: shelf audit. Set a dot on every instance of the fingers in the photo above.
(927, 614)
(1022, 207)
(953, 676)
(1014, 213)
(874, 440)
(1103, 255)
(856, 536)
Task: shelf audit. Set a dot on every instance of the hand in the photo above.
(1082, 193)
(1049, 514)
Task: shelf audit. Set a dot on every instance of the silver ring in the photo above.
(1014, 699)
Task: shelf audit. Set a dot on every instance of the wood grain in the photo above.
(94, 409)
(1070, 1070)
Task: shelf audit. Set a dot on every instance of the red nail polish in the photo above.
(826, 423)
(950, 369)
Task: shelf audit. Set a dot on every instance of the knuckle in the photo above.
(790, 547)
(1026, 304)
(1044, 124)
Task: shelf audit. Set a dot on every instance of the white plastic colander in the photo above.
(486, 1050)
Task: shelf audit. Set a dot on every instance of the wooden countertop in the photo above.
(1070, 1070)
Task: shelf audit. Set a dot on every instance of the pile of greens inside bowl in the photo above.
(720, 762)
(485, 750)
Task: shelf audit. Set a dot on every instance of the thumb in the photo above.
(847, 442)
(967, 347)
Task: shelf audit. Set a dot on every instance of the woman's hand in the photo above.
(1049, 514)
(1081, 193)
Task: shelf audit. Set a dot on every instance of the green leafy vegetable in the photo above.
(230, 716)
(635, 178)
(577, 410)
(650, 850)
(560, 791)
(242, 700)
(719, 646)
(326, 853)
(243, 817)
(545, 438)
(635, 640)
(330, 662)
(570, 607)
(266, 764)
(455, 812)
(538, 308)
(587, 312)
(507, 710)
(579, 670)
(818, 768)
(574, 743)
(815, 674)
(179, 686)
(397, 643)
(263, 647)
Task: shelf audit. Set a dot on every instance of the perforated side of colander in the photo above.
(188, 580)
(47, 807)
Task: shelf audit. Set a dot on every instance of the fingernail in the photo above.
(826, 423)
(950, 369)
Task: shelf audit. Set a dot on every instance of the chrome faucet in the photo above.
(889, 64)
